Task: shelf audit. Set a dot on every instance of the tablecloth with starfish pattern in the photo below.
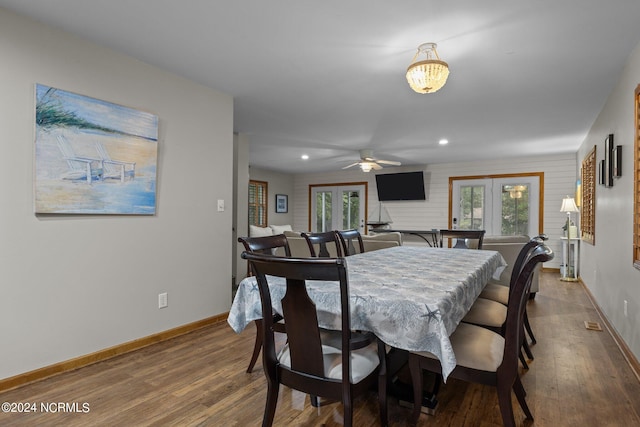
(411, 297)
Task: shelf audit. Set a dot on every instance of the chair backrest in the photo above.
(518, 297)
(461, 237)
(307, 372)
(348, 238)
(265, 245)
(322, 240)
(524, 252)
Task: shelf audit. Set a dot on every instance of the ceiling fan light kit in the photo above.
(367, 162)
(427, 75)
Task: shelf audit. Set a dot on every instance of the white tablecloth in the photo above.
(411, 297)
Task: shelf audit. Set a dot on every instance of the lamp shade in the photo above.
(569, 205)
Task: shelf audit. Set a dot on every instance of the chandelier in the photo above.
(429, 74)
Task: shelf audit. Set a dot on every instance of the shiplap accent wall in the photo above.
(560, 175)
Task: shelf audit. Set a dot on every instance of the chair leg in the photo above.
(272, 402)
(382, 385)
(347, 403)
(314, 401)
(520, 394)
(417, 383)
(256, 346)
(527, 326)
(527, 349)
(523, 360)
(504, 400)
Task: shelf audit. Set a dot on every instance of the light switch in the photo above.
(220, 205)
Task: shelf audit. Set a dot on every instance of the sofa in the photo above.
(509, 247)
(300, 249)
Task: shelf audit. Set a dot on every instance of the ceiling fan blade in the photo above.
(376, 166)
(389, 162)
(351, 165)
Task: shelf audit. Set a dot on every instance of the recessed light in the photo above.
(305, 157)
(443, 141)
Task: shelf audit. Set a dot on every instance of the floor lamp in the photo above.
(568, 206)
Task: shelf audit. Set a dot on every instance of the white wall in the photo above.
(73, 285)
(559, 180)
(241, 203)
(606, 267)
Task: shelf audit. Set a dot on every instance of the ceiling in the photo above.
(326, 78)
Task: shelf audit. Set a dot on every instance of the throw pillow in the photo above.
(280, 229)
(255, 231)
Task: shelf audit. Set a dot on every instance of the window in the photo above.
(588, 198)
(258, 203)
(636, 183)
(507, 204)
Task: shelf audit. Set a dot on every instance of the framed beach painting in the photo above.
(92, 156)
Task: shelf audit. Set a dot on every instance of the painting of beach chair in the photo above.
(80, 168)
(115, 168)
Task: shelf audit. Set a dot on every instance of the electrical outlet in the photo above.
(625, 308)
(163, 300)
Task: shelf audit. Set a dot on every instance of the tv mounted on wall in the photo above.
(400, 186)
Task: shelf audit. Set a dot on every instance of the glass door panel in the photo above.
(472, 211)
(514, 218)
(501, 206)
(323, 212)
(351, 217)
(338, 208)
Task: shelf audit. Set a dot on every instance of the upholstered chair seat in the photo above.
(475, 347)
(363, 361)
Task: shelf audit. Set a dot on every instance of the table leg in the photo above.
(401, 388)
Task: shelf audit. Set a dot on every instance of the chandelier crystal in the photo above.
(427, 75)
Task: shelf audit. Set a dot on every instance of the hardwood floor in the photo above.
(578, 378)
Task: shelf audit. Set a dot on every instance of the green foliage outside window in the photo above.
(472, 209)
(515, 210)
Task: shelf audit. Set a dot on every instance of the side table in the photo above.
(570, 267)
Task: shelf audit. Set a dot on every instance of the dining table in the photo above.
(411, 297)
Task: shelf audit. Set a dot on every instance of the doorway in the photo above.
(337, 207)
(500, 204)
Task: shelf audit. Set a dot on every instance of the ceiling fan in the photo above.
(367, 162)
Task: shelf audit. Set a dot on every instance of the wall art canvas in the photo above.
(92, 156)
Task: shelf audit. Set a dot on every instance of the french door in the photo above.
(501, 205)
(337, 207)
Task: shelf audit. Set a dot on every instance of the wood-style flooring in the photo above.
(578, 378)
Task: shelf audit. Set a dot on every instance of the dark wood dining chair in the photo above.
(337, 365)
(264, 245)
(351, 241)
(484, 356)
(500, 293)
(324, 241)
(493, 314)
(461, 237)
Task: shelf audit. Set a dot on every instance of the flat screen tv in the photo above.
(400, 186)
